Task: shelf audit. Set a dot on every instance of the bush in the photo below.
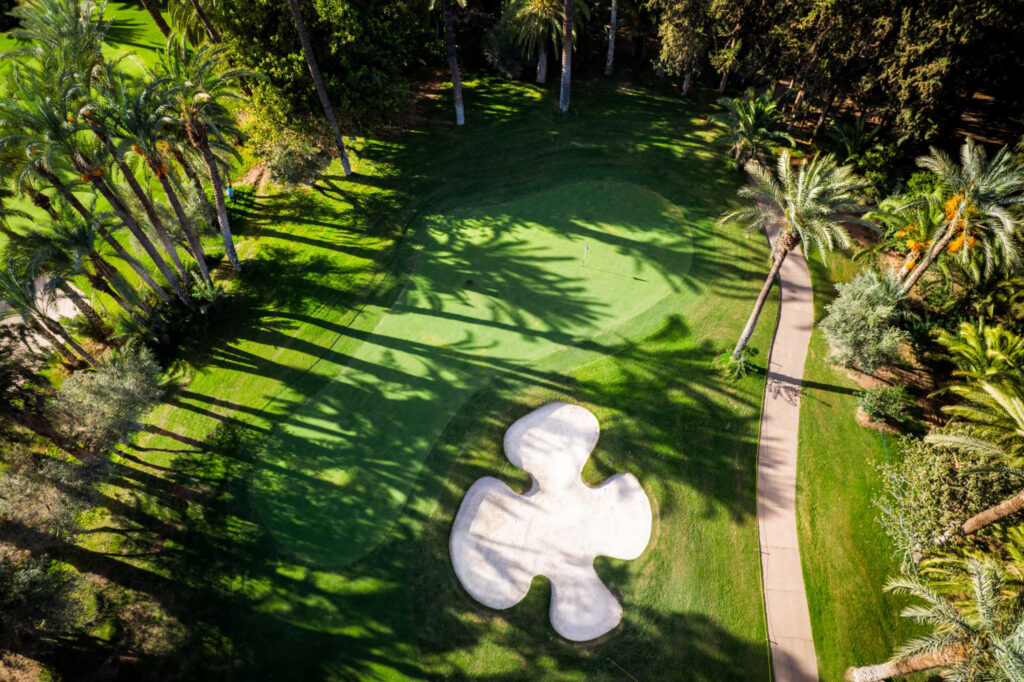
(861, 323)
(101, 408)
(931, 489)
(885, 403)
(921, 183)
(33, 592)
(294, 160)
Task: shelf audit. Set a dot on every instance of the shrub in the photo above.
(921, 183)
(861, 323)
(884, 403)
(33, 591)
(294, 160)
(932, 488)
(101, 408)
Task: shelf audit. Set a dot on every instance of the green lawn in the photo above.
(846, 555)
(301, 480)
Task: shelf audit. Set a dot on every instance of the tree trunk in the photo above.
(43, 331)
(40, 200)
(58, 329)
(542, 65)
(611, 38)
(687, 82)
(147, 206)
(988, 517)
(112, 284)
(934, 252)
(722, 83)
(158, 18)
(218, 199)
(107, 237)
(88, 312)
(321, 89)
(186, 224)
(748, 330)
(453, 60)
(210, 30)
(884, 671)
(137, 231)
(824, 112)
(567, 23)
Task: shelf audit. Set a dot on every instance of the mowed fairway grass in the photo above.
(301, 480)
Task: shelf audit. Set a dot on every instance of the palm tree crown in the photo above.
(752, 126)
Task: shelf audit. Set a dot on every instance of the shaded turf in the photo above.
(361, 287)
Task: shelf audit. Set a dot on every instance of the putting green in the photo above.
(494, 290)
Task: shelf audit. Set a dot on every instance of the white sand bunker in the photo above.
(502, 540)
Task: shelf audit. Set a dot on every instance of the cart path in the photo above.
(789, 623)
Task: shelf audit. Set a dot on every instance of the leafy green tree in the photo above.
(752, 126)
(685, 35)
(983, 195)
(811, 204)
(34, 592)
(978, 637)
(861, 323)
(102, 408)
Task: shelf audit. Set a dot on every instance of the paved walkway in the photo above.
(789, 622)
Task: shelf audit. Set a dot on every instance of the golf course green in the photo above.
(495, 288)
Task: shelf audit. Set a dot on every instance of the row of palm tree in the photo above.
(979, 221)
(78, 137)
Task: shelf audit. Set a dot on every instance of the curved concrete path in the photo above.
(785, 601)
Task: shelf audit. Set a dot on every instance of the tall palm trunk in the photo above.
(318, 82)
(946, 656)
(186, 224)
(567, 22)
(119, 249)
(43, 331)
(934, 252)
(147, 205)
(984, 518)
(133, 226)
(205, 20)
(453, 60)
(787, 242)
(110, 282)
(193, 177)
(158, 18)
(542, 65)
(218, 198)
(84, 307)
(58, 329)
(611, 38)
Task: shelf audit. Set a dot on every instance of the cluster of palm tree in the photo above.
(87, 143)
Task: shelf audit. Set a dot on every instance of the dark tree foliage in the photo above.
(366, 51)
(908, 64)
(6, 20)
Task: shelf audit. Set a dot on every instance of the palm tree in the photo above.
(611, 38)
(8, 213)
(102, 119)
(20, 292)
(979, 636)
(568, 24)
(45, 129)
(46, 260)
(979, 213)
(453, 61)
(62, 35)
(812, 204)
(143, 131)
(913, 225)
(199, 88)
(158, 18)
(752, 126)
(321, 88)
(852, 140)
(536, 24)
